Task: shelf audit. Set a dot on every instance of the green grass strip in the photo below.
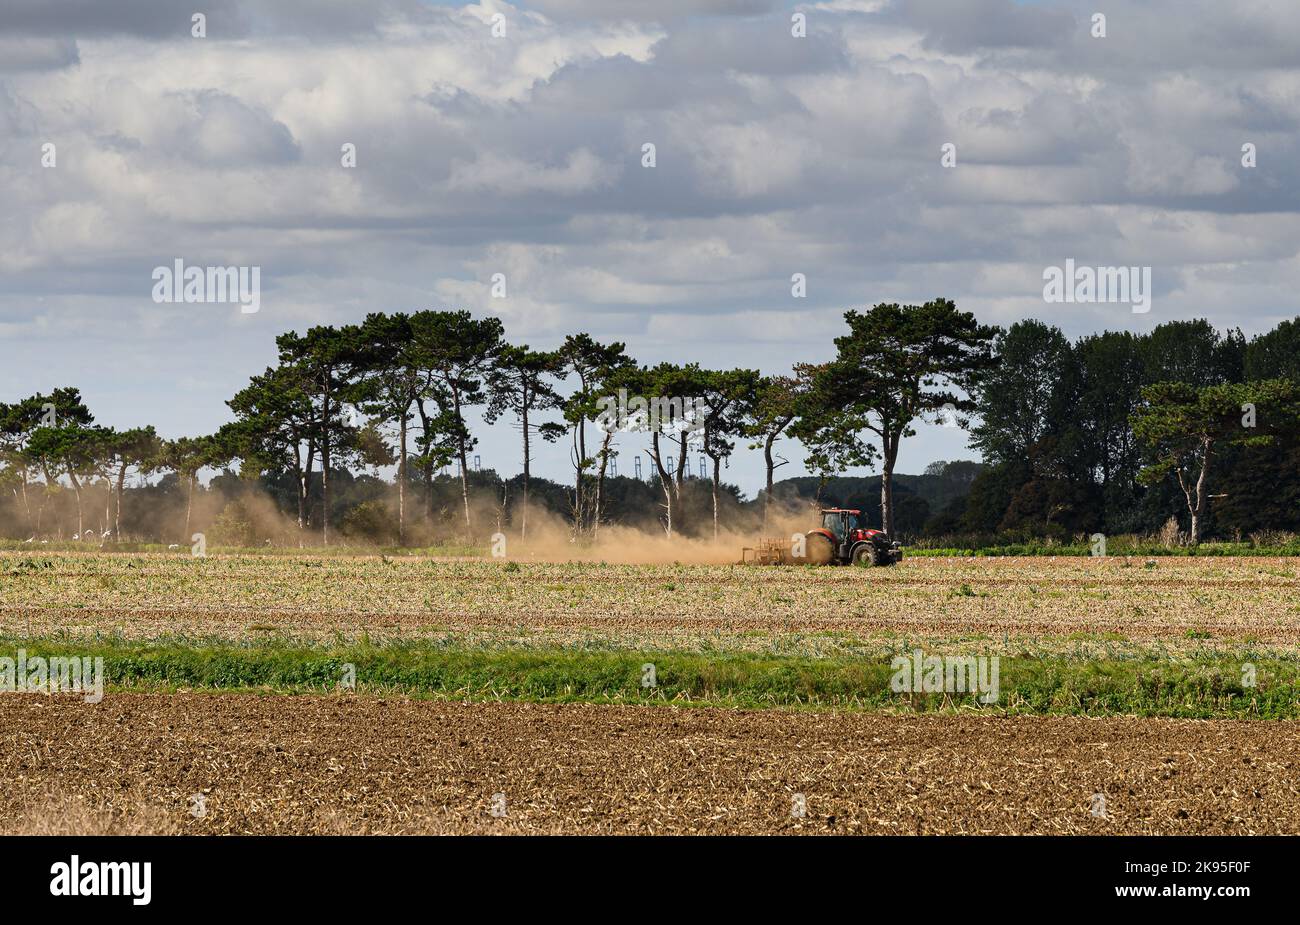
(1208, 686)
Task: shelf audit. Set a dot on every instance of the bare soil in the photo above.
(348, 764)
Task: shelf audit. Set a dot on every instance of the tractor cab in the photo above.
(846, 525)
(841, 523)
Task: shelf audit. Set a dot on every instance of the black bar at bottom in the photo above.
(351, 873)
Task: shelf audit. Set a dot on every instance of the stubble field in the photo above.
(236, 597)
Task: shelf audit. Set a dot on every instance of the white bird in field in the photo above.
(173, 546)
(106, 534)
(29, 539)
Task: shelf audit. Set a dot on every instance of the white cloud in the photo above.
(494, 173)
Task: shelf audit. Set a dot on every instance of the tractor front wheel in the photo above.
(866, 554)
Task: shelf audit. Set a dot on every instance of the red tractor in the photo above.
(844, 537)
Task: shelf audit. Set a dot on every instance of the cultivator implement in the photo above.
(767, 551)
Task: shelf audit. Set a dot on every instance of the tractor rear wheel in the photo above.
(818, 550)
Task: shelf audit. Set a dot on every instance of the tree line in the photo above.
(1117, 431)
(1114, 432)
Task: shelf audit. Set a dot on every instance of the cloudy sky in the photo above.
(521, 154)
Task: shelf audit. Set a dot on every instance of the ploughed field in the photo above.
(1254, 600)
(212, 763)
